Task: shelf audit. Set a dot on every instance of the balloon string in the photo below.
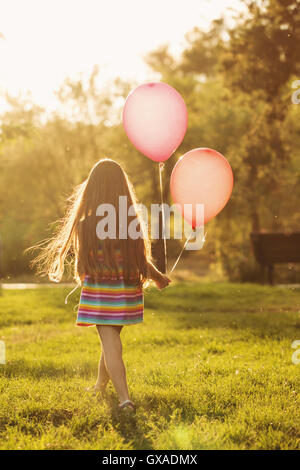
(70, 293)
(161, 168)
(186, 242)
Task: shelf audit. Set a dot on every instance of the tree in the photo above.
(260, 58)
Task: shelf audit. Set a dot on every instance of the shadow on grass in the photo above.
(154, 409)
(45, 369)
(278, 326)
(129, 425)
(263, 311)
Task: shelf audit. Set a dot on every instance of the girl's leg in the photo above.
(112, 348)
(103, 376)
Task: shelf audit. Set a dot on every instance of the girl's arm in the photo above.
(160, 279)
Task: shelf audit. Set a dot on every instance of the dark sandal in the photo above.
(127, 404)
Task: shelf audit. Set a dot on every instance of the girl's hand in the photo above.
(162, 282)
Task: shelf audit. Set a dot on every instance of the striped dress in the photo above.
(113, 301)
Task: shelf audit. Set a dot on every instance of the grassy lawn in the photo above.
(210, 368)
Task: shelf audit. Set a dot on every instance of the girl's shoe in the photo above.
(127, 405)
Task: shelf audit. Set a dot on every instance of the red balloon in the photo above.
(155, 119)
(201, 176)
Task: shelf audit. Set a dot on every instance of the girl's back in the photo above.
(110, 298)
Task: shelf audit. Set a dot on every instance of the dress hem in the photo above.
(109, 324)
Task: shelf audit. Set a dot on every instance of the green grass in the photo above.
(210, 368)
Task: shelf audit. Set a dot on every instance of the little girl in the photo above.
(111, 269)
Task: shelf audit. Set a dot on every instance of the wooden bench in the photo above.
(272, 248)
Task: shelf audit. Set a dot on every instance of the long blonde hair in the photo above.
(76, 235)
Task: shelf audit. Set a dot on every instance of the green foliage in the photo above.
(210, 368)
(262, 52)
(237, 86)
(204, 49)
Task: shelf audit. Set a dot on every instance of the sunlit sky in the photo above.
(44, 41)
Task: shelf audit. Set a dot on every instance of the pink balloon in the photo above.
(201, 176)
(155, 119)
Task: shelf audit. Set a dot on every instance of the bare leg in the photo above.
(103, 376)
(112, 348)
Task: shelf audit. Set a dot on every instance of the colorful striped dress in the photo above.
(113, 301)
